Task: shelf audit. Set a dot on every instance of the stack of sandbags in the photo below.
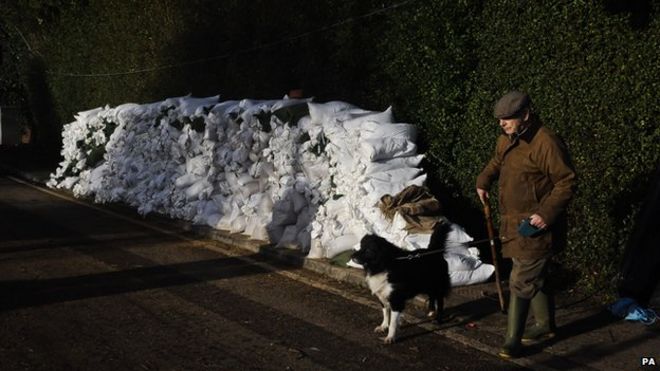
(368, 156)
(303, 175)
(245, 167)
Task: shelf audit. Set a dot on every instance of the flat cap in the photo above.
(511, 104)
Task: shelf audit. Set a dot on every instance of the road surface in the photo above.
(87, 287)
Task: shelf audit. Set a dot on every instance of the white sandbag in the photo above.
(419, 181)
(395, 163)
(249, 188)
(68, 182)
(342, 155)
(253, 157)
(305, 123)
(416, 241)
(275, 232)
(376, 188)
(298, 200)
(289, 237)
(341, 244)
(337, 207)
(304, 240)
(283, 213)
(127, 111)
(374, 219)
(289, 102)
(240, 155)
(223, 203)
(336, 134)
(395, 175)
(186, 180)
(458, 262)
(249, 103)
(97, 177)
(317, 224)
(249, 116)
(268, 170)
(386, 148)
(238, 224)
(256, 228)
(332, 229)
(359, 227)
(265, 207)
(227, 221)
(400, 224)
(458, 240)
(354, 124)
(315, 170)
(199, 190)
(305, 218)
(252, 203)
(213, 220)
(224, 107)
(471, 277)
(188, 105)
(85, 116)
(371, 130)
(198, 166)
(316, 250)
(326, 112)
(232, 180)
(159, 181)
(205, 209)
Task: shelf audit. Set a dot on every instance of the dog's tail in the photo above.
(439, 236)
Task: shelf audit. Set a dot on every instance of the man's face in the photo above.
(510, 125)
(513, 125)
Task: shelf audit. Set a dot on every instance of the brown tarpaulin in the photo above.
(417, 206)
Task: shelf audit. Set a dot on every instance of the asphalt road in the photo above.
(92, 288)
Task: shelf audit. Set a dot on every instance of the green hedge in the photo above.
(591, 67)
(595, 80)
(593, 73)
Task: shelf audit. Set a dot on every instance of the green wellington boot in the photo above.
(544, 315)
(518, 309)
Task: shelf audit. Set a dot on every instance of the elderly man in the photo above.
(536, 180)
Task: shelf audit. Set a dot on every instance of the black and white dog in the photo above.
(394, 278)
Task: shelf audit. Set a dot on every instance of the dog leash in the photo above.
(420, 254)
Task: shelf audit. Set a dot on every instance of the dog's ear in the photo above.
(368, 241)
(364, 240)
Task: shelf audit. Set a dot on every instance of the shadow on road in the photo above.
(27, 293)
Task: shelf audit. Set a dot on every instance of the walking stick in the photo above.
(491, 236)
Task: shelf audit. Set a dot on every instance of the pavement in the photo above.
(588, 336)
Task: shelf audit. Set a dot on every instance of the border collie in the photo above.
(394, 278)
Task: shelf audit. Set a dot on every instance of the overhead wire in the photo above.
(237, 52)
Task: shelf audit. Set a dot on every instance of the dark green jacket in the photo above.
(535, 177)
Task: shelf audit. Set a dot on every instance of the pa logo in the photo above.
(648, 361)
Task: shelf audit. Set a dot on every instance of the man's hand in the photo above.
(537, 221)
(483, 195)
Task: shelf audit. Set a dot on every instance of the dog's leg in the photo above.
(394, 324)
(433, 306)
(440, 310)
(386, 320)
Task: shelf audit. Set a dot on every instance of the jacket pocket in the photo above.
(534, 195)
